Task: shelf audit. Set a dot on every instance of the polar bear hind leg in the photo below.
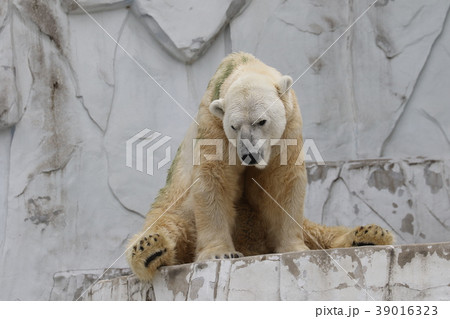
(368, 235)
(323, 237)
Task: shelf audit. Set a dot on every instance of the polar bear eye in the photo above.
(233, 127)
(261, 123)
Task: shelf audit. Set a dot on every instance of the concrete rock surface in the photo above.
(381, 273)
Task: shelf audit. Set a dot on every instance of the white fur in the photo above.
(285, 83)
(250, 100)
(217, 108)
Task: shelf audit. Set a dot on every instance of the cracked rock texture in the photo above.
(70, 98)
(366, 273)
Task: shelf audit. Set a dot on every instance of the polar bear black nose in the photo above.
(249, 159)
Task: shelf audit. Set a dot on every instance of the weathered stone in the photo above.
(172, 283)
(80, 6)
(255, 278)
(176, 24)
(407, 197)
(75, 284)
(138, 290)
(430, 263)
(203, 282)
(95, 79)
(342, 274)
(10, 108)
(380, 273)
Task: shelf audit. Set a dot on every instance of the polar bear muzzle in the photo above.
(251, 150)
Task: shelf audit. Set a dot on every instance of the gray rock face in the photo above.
(186, 29)
(366, 273)
(73, 285)
(409, 197)
(80, 6)
(74, 90)
(9, 106)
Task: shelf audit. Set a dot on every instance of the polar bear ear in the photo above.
(284, 84)
(217, 108)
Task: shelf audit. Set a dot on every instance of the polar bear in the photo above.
(235, 187)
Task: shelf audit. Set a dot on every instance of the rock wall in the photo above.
(70, 98)
(366, 273)
(410, 197)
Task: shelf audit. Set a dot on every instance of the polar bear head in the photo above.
(253, 116)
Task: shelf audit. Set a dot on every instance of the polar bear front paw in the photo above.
(371, 235)
(149, 252)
